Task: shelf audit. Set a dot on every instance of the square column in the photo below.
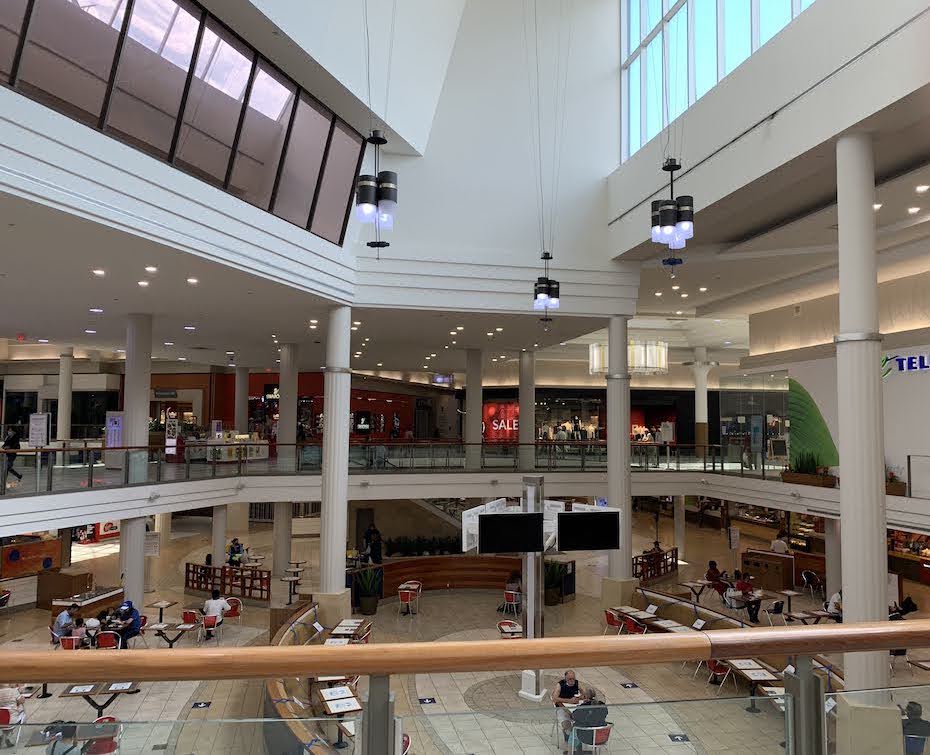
(132, 558)
(65, 387)
(334, 507)
(241, 413)
(281, 533)
(859, 401)
(163, 528)
(474, 405)
(138, 385)
(287, 408)
(219, 535)
(680, 526)
(527, 426)
(619, 481)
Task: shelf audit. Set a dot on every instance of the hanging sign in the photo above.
(38, 430)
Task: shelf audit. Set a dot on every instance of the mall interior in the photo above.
(460, 377)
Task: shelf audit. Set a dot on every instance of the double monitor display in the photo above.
(523, 533)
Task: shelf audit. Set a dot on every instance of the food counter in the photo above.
(92, 602)
(909, 555)
(224, 450)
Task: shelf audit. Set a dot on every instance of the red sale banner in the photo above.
(501, 421)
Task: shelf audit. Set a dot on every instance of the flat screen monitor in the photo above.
(510, 533)
(589, 531)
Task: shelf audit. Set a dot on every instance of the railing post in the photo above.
(187, 465)
(127, 458)
(378, 721)
(212, 461)
(806, 721)
(159, 457)
(239, 460)
(89, 455)
(583, 452)
(3, 473)
(909, 484)
(50, 468)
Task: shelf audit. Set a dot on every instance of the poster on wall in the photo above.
(216, 428)
(171, 436)
(501, 421)
(152, 543)
(38, 430)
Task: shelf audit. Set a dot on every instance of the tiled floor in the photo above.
(472, 713)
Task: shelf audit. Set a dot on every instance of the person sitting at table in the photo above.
(64, 622)
(130, 621)
(235, 552)
(79, 631)
(834, 607)
(566, 692)
(11, 698)
(747, 595)
(715, 577)
(64, 740)
(590, 712)
(916, 729)
(92, 629)
(514, 584)
(215, 606)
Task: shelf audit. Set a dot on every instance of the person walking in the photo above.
(11, 443)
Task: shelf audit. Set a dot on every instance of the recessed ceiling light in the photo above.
(425, 366)
(277, 361)
(354, 327)
(169, 343)
(314, 322)
(193, 281)
(99, 272)
(877, 206)
(684, 296)
(121, 351)
(493, 359)
(453, 333)
(274, 335)
(190, 327)
(679, 312)
(43, 340)
(432, 355)
(454, 342)
(356, 322)
(89, 331)
(143, 283)
(313, 327)
(503, 356)
(717, 321)
(182, 359)
(922, 189)
(95, 310)
(446, 346)
(499, 330)
(490, 334)
(675, 288)
(151, 269)
(460, 327)
(913, 210)
(535, 345)
(230, 353)
(232, 364)
(658, 293)
(702, 289)
(380, 364)
(727, 343)
(279, 351)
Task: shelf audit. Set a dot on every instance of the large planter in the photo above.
(816, 480)
(368, 604)
(896, 488)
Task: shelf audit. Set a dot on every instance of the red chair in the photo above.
(405, 747)
(235, 610)
(109, 641)
(7, 725)
(512, 600)
(414, 584)
(599, 737)
(408, 598)
(613, 622)
(143, 622)
(70, 643)
(721, 668)
(211, 624)
(633, 626)
(363, 640)
(509, 630)
(190, 617)
(107, 745)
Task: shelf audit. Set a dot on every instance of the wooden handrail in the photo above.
(415, 657)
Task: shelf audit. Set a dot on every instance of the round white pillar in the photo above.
(474, 406)
(833, 555)
(242, 400)
(65, 388)
(334, 507)
(219, 535)
(283, 512)
(700, 368)
(138, 384)
(132, 558)
(619, 481)
(527, 422)
(680, 526)
(287, 407)
(859, 401)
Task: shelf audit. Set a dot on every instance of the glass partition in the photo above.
(888, 720)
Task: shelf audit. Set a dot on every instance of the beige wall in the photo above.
(401, 518)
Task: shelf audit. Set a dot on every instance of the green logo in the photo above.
(887, 366)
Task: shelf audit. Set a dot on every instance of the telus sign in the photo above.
(911, 363)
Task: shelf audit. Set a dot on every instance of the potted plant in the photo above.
(368, 589)
(554, 574)
(894, 485)
(806, 470)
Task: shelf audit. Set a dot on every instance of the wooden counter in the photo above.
(89, 605)
(455, 572)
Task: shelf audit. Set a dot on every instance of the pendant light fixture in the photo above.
(672, 218)
(546, 289)
(376, 195)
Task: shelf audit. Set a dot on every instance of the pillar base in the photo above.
(333, 607)
(867, 726)
(531, 687)
(617, 592)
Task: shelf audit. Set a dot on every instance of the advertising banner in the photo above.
(501, 421)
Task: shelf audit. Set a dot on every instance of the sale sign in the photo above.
(501, 421)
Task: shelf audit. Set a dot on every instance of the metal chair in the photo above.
(899, 653)
(508, 628)
(109, 641)
(717, 668)
(405, 748)
(599, 737)
(613, 622)
(143, 622)
(363, 640)
(512, 600)
(107, 745)
(812, 581)
(210, 624)
(234, 612)
(776, 609)
(408, 599)
(70, 643)
(55, 638)
(190, 617)
(7, 725)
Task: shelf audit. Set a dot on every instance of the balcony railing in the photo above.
(83, 465)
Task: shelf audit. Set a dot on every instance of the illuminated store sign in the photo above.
(909, 363)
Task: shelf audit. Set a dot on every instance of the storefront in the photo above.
(754, 418)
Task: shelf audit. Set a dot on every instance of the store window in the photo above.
(152, 73)
(12, 13)
(754, 425)
(338, 182)
(271, 101)
(675, 52)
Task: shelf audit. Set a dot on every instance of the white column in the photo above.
(163, 528)
(219, 535)
(287, 406)
(680, 526)
(132, 558)
(833, 555)
(859, 400)
(65, 387)
(700, 368)
(138, 383)
(281, 537)
(242, 399)
(473, 408)
(334, 507)
(619, 481)
(527, 426)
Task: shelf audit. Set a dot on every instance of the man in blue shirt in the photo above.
(132, 622)
(64, 622)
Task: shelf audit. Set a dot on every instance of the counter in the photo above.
(90, 603)
(225, 451)
(910, 566)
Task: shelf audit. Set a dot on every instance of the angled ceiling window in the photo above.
(166, 77)
(675, 51)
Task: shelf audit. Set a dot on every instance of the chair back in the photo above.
(235, 608)
(407, 596)
(209, 622)
(405, 747)
(143, 621)
(506, 626)
(106, 720)
(602, 734)
(511, 596)
(717, 667)
(6, 715)
(5, 598)
(189, 617)
(415, 584)
(70, 643)
(777, 607)
(363, 640)
(612, 619)
(810, 578)
(55, 638)
(109, 640)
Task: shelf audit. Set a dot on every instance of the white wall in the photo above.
(810, 52)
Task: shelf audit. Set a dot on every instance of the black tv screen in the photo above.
(510, 533)
(589, 530)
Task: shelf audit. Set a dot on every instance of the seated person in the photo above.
(215, 606)
(834, 607)
(64, 622)
(79, 631)
(590, 712)
(130, 622)
(715, 577)
(750, 602)
(11, 698)
(916, 729)
(64, 740)
(567, 692)
(92, 629)
(235, 552)
(514, 584)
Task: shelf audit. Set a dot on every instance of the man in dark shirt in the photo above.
(567, 692)
(916, 729)
(590, 713)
